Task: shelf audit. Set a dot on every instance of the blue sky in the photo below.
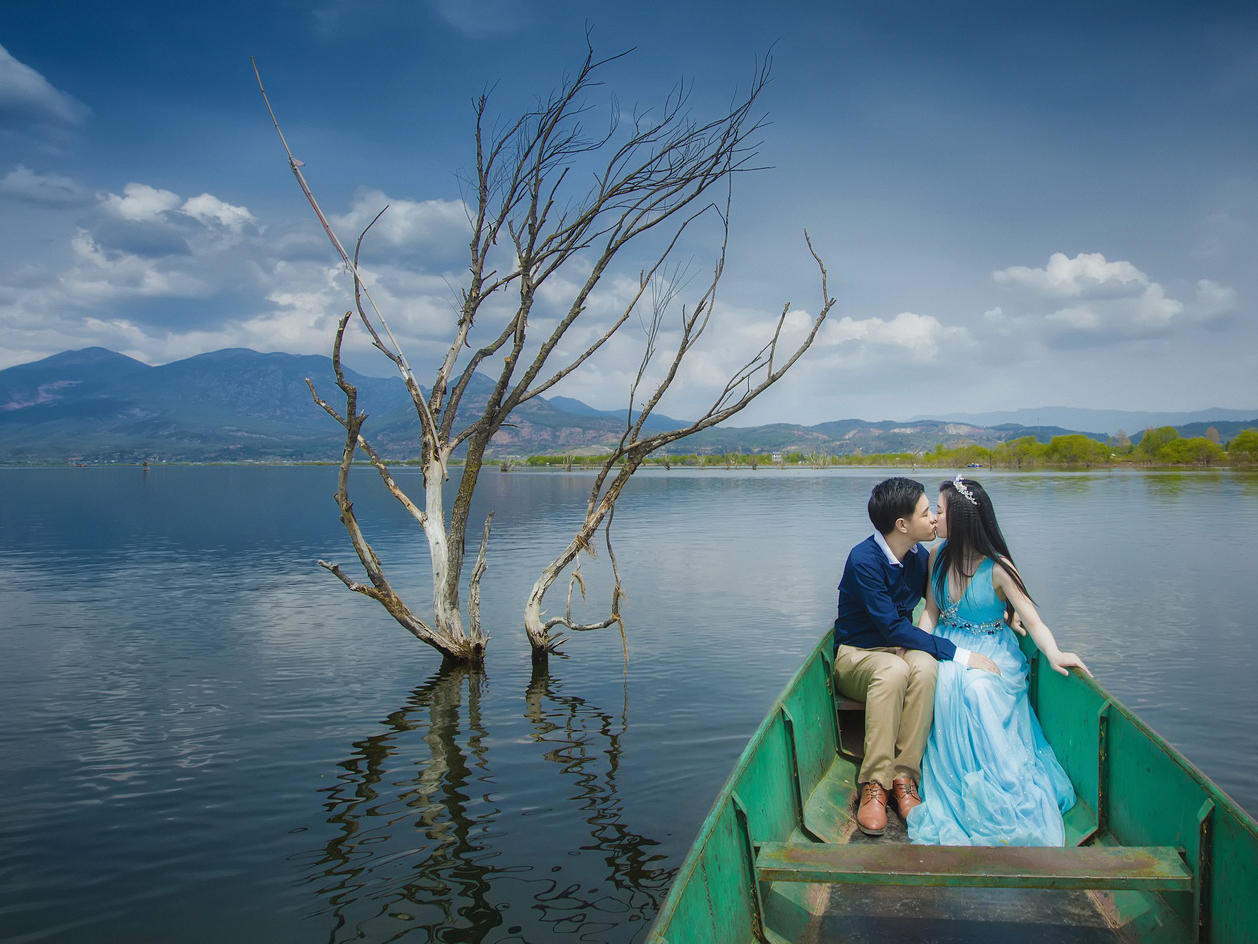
(1019, 205)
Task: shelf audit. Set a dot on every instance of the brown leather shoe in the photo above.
(904, 790)
(871, 816)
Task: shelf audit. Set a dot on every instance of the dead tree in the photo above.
(648, 180)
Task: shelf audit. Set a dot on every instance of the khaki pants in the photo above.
(898, 689)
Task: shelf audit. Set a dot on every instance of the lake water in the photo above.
(208, 738)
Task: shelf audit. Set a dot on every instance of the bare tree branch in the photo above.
(550, 202)
(634, 447)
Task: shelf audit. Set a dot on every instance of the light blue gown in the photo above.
(989, 777)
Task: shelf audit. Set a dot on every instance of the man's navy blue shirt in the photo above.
(877, 598)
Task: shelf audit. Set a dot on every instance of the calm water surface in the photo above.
(208, 738)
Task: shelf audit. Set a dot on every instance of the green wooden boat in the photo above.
(1154, 850)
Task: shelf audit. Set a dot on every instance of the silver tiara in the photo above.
(960, 487)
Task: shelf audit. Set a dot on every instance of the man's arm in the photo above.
(870, 586)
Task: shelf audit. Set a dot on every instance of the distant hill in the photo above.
(862, 437)
(1044, 433)
(236, 404)
(95, 404)
(656, 421)
(1108, 421)
(1227, 429)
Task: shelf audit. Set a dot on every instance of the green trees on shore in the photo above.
(1244, 448)
(1162, 446)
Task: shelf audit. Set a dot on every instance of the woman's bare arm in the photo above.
(1007, 589)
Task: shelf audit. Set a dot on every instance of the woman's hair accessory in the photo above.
(960, 487)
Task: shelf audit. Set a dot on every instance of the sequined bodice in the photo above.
(979, 610)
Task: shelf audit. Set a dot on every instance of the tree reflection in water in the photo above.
(586, 744)
(436, 844)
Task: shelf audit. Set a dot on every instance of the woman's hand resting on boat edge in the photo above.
(1065, 660)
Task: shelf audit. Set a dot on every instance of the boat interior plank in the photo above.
(1146, 868)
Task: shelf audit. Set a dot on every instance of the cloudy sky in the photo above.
(1019, 205)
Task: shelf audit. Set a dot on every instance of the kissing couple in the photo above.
(982, 773)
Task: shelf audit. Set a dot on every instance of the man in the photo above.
(881, 658)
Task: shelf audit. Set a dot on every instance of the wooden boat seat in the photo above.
(1141, 868)
(850, 717)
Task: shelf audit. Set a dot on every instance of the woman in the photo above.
(988, 776)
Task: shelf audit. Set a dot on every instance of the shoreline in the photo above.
(523, 464)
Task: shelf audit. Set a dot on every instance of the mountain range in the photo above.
(236, 404)
(1108, 421)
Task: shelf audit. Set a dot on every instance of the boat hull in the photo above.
(794, 786)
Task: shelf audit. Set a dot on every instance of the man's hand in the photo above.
(979, 661)
(1015, 623)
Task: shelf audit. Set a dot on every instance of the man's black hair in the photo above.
(892, 499)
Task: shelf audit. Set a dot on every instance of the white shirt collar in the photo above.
(886, 549)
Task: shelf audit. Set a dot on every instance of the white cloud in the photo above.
(27, 97)
(844, 348)
(1154, 309)
(307, 293)
(1213, 300)
(864, 367)
(428, 224)
(418, 304)
(1089, 299)
(140, 203)
(615, 292)
(97, 300)
(1086, 275)
(86, 250)
(23, 183)
(919, 336)
(105, 284)
(208, 208)
(99, 277)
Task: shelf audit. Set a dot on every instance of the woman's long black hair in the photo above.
(972, 531)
